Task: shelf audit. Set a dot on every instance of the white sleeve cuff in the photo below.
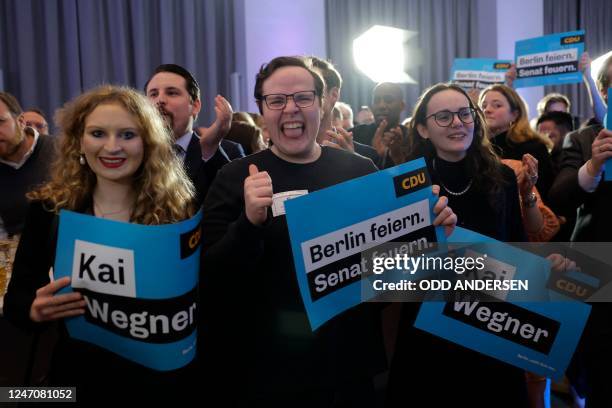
(587, 182)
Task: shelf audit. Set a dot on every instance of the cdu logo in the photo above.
(572, 39)
(190, 242)
(410, 182)
(103, 269)
(501, 65)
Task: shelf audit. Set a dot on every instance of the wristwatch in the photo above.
(530, 200)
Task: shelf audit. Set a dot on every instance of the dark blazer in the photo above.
(593, 219)
(202, 173)
(368, 152)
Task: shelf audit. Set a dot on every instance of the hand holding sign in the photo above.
(257, 195)
(585, 64)
(601, 150)
(444, 214)
(511, 75)
(47, 307)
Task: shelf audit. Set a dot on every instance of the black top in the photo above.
(436, 370)
(257, 330)
(510, 150)
(497, 217)
(566, 195)
(202, 173)
(15, 183)
(98, 374)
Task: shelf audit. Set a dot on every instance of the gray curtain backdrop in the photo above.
(52, 50)
(593, 16)
(447, 30)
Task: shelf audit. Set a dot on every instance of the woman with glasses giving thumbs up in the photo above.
(255, 328)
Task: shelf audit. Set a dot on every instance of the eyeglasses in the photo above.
(444, 118)
(302, 99)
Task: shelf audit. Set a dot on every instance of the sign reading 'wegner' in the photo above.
(536, 336)
(139, 284)
(478, 73)
(391, 205)
(548, 60)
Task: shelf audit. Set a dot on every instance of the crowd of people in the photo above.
(139, 157)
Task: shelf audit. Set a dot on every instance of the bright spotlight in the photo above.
(379, 53)
(596, 65)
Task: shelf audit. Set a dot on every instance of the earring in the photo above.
(82, 159)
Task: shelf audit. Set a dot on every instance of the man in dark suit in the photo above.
(328, 135)
(176, 93)
(580, 185)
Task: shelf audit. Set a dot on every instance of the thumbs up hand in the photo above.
(257, 195)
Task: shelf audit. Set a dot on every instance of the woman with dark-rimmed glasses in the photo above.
(450, 132)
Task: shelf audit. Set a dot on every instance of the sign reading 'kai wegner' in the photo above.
(139, 284)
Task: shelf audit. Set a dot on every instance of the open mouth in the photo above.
(292, 129)
(457, 136)
(112, 162)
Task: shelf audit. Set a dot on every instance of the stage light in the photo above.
(596, 65)
(379, 53)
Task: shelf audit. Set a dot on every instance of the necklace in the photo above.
(454, 193)
(104, 215)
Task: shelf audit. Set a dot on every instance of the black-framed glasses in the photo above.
(302, 99)
(444, 118)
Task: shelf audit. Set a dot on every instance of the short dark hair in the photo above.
(36, 109)
(603, 80)
(562, 119)
(397, 89)
(11, 103)
(193, 88)
(330, 74)
(268, 69)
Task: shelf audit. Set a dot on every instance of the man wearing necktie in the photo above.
(176, 93)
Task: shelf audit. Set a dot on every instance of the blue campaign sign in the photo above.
(352, 217)
(549, 60)
(478, 73)
(608, 170)
(536, 336)
(139, 282)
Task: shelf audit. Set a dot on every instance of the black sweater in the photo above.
(15, 183)
(257, 328)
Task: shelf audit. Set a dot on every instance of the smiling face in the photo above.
(168, 91)
(497, 112)
(112, 143)
(387, 104)
(452, 142)
(293, 130)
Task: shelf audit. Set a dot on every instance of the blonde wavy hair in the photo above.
(520, 130)
(163, 192)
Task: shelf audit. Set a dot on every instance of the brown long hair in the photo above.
(520, 130)
(164, 193)
(482, 162)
